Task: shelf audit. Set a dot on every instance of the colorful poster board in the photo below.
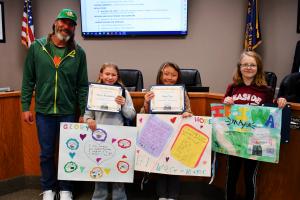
(169, 144)
(251, 132)
(107, 154)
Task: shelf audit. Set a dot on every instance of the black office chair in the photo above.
(271, 79)
(190, 77)
(192, 80)
(132, 79)
(296, 62)
(289, 87)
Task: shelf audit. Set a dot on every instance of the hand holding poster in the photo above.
(251, 132)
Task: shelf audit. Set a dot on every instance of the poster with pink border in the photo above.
(170, 144)
(106, 154)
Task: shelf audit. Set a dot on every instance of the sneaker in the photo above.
(161, 198)
(65, 195)
(48, 195)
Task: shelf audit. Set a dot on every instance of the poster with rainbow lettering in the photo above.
(106, 154)
(170, 144)
(251, 132)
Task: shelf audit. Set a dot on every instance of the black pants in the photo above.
(167, 186)
(234, 166)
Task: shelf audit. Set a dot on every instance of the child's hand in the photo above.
(281, 102)
(120, 100)
(228, 100)
(186, 114)
(148, 96)
(91, 124)
(81, 119)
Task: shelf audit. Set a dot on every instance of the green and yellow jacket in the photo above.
(60, 87)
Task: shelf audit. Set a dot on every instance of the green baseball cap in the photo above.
(67, 14)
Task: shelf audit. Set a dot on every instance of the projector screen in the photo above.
(101, 18)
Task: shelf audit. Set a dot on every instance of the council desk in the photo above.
(19, 149)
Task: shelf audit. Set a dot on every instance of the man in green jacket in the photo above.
(56, 69)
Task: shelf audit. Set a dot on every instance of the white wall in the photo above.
(213, 45)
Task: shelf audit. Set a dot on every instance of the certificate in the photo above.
(168, 99)
(102, 97)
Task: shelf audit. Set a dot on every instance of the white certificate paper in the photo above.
(169, 99)
(102, 97)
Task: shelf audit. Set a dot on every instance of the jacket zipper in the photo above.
(71, 54)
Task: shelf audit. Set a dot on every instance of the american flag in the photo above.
(27, 33)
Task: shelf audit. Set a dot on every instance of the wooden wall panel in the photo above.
(138, 100)
(282, 180)
(31, 149)
(11, 148)
(198, 103)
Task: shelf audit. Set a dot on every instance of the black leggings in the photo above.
(234, 166)
(168, 186)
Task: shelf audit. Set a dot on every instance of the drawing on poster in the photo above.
(189, 146)
(154, 136)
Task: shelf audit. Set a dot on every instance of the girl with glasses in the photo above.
(249, 87)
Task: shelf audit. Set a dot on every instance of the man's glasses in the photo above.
(250, 65)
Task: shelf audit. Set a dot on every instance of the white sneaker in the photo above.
(65, 195)
(48, 195)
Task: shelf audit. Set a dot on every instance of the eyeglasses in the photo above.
(250, 65)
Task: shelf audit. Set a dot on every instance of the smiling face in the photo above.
(109, 75)
(248, 68)
(169, 75)
(64, 29)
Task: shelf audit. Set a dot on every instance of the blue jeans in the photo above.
(101, 191)
(48, 134)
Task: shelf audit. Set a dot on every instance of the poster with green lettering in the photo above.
(251, 132)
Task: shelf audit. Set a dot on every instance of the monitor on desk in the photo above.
(197, 89)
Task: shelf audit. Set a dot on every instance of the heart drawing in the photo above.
(72, 154)
(173, 119)
(82, 136)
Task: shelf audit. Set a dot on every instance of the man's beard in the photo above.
(61, 37)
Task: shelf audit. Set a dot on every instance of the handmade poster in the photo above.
(170, 144)
(107, 154)
(251, 132)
